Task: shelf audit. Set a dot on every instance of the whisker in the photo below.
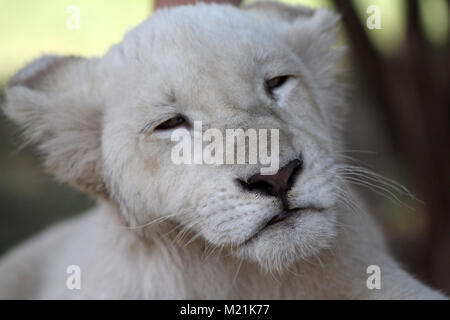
(377, 177)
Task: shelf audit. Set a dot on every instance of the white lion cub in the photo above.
(225, 231)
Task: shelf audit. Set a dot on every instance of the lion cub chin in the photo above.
(274, 226)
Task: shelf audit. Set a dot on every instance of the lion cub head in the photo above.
(106, 125)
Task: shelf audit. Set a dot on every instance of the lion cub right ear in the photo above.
(56, 101)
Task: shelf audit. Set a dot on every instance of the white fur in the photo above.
(167, 231)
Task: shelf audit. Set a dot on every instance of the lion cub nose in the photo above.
(277, 184)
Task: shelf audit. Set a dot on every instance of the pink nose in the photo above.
(277, 184)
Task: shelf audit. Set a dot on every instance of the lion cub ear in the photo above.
(309, 32)
(55, 100)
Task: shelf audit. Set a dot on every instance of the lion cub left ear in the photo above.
(310, 33)
(56, 101)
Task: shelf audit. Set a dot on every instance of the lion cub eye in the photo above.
(171, 123)
(274, 83)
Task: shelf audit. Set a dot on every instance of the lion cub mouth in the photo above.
(286, 213)
(283, 215)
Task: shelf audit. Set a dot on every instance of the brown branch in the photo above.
(365, 51)
(168, 3)
(371, 64)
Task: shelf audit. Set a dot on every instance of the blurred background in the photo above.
(399, 121)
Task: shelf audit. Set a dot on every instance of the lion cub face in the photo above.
(107, 125)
